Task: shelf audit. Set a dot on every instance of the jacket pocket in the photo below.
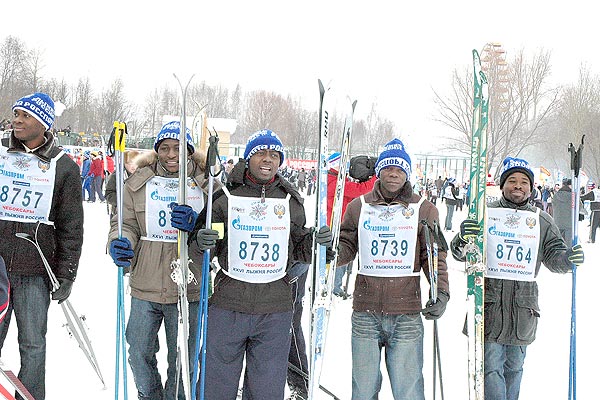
(526, 318)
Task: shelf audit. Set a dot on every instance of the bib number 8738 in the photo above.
(266, 252)
(378, 246)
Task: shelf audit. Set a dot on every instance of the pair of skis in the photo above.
(475, 248)
(322, 279)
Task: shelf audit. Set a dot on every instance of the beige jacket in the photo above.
(150, 275)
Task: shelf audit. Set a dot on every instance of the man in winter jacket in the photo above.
(385, 228)
(594, 197)
(150, 242)
(250, 312)
(520, 236)
(563, 211)
(45, 202)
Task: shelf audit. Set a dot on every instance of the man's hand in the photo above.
(64, 290)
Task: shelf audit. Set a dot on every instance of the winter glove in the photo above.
(63, 291)
(575, 255)
(469, 228)
(329, 255)
(324, 236)
(121, 252)
(207, 238)
(435, 310)
(183, 217)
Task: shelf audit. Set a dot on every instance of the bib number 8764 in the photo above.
(266, 252)
(508, 252)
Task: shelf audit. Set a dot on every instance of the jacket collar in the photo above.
(45, 152)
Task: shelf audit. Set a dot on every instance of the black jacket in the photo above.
(257, 298)
(61, 243)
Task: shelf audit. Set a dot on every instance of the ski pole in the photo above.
(74, 324)
(211, 159)
(116, 148)
(576, 162)
(432, 259)
(305, 376)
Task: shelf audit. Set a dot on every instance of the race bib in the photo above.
(512, 244)
(259, 231)
(160, 192)
(387, 239)
(26, 186)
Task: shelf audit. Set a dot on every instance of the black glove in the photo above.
(207, 238)
(64, 290)
(575, 255)
(329, 255)
(121, 252)
(183, 217)
(435, 310)
(324, 236)
(469, 228)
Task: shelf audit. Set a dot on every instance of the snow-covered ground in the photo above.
(69, 376)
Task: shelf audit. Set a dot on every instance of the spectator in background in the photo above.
(594, 197)
(97, 174)
(450, 197)
(301, 180)
(563, 211)
(129, 168)
(86, 179)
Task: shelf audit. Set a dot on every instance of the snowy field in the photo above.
(69, 376)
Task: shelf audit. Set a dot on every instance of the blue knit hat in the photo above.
(511, 165)
(264, 140)
(394, 155)
(38, 105)
(170, 130)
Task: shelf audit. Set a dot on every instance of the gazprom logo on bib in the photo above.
(242, 227)
(374, 228)
(154, 196)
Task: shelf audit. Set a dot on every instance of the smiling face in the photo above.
(168, 154)
(27, 129)
(392, 180)
(263, 165)
(517, 188)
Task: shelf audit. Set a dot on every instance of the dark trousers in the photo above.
(297, 356)
(264, 340)
(594, 224)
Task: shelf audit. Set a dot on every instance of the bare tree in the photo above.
(521, 103)
(13, 56)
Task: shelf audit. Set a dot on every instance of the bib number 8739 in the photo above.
(266, 252)
(378, 246)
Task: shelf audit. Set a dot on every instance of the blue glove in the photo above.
(183, 217)
(121, 252)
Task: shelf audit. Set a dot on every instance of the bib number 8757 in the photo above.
(266, 252)
(25, 198)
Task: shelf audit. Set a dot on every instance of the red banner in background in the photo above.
(299, 164)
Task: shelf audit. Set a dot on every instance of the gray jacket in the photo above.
(511, 307)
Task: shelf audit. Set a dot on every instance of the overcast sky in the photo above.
(384, 51)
